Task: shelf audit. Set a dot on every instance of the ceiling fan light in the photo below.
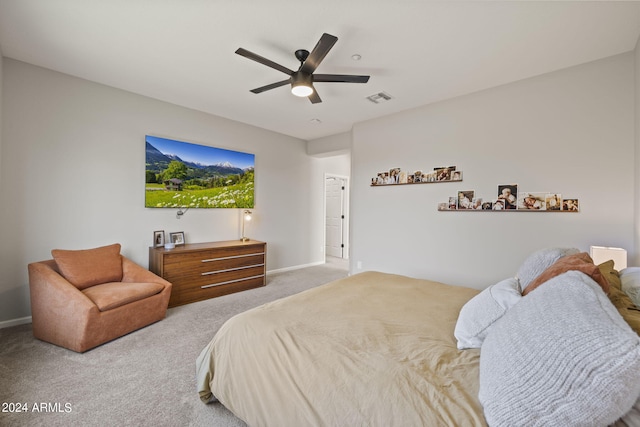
(301, 90)
(301, 84)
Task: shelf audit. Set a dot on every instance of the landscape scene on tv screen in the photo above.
(185, 175)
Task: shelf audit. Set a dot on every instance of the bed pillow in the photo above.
(580, 262)
(561, 356)
(536, 263)
(88, 267)
(620, 300)
(630, 278)
(482, 311)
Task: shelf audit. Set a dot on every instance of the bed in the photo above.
(378, 349)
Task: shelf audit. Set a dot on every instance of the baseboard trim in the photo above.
(15, 322)
(295, 267)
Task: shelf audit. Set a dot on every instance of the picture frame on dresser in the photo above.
(177, 238)
(158, 238)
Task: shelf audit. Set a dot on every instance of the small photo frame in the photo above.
(532, 201)
(444, 174)
(509, 196)
(570, 205)
(177, 238)
(465, 199)
(456, 176)
(453, 203)
(158, 238)
(554, 201)
(429, 177)
(394, 175)
(383, 178)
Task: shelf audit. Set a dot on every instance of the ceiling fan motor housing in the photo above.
(302, 55)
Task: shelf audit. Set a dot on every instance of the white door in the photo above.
(335, 216)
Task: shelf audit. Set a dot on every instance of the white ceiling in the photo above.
(182, 51)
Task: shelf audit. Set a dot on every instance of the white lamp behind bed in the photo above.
(600, 254)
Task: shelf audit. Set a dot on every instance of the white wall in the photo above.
(333, 145)
(72, 175)
(571, 132)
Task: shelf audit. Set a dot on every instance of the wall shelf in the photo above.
(415, 183)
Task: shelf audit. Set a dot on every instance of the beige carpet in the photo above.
(143, 379)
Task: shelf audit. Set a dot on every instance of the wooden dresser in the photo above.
(199, 271)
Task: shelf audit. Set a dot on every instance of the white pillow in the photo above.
(630, 278)
(562, 356)
(536, 263)
(482, 311)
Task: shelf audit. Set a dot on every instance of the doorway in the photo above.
(336, 216)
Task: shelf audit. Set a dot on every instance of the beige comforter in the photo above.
(373, 349)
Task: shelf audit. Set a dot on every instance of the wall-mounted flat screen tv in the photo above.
(185, 175)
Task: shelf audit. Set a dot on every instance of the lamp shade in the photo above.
(600, 254)
(301, 84)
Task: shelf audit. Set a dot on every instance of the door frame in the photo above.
(345, 207)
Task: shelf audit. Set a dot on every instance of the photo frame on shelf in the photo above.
(570, 205)
(444, 173)
(508, 194)
(177, 238)
(532, 201)
(158, 238)
(553, 201)
(465, 199)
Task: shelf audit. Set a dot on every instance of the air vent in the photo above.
(379, 98)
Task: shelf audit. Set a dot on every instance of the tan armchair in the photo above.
(82, 299)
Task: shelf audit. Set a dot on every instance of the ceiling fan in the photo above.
(302, 80)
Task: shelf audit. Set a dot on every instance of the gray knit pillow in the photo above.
(562, 356)
(536, 263)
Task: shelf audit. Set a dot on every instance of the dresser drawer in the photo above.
(212, 255)
(196, 280)
(188, 295)
(208, 266)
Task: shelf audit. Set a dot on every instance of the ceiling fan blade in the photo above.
(271, 86)
(263, 61)
(314, 97)
(318, 53)
(340, 78)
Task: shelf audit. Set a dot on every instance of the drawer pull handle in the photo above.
(232, 257)
(231, 281)
(231, 269)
